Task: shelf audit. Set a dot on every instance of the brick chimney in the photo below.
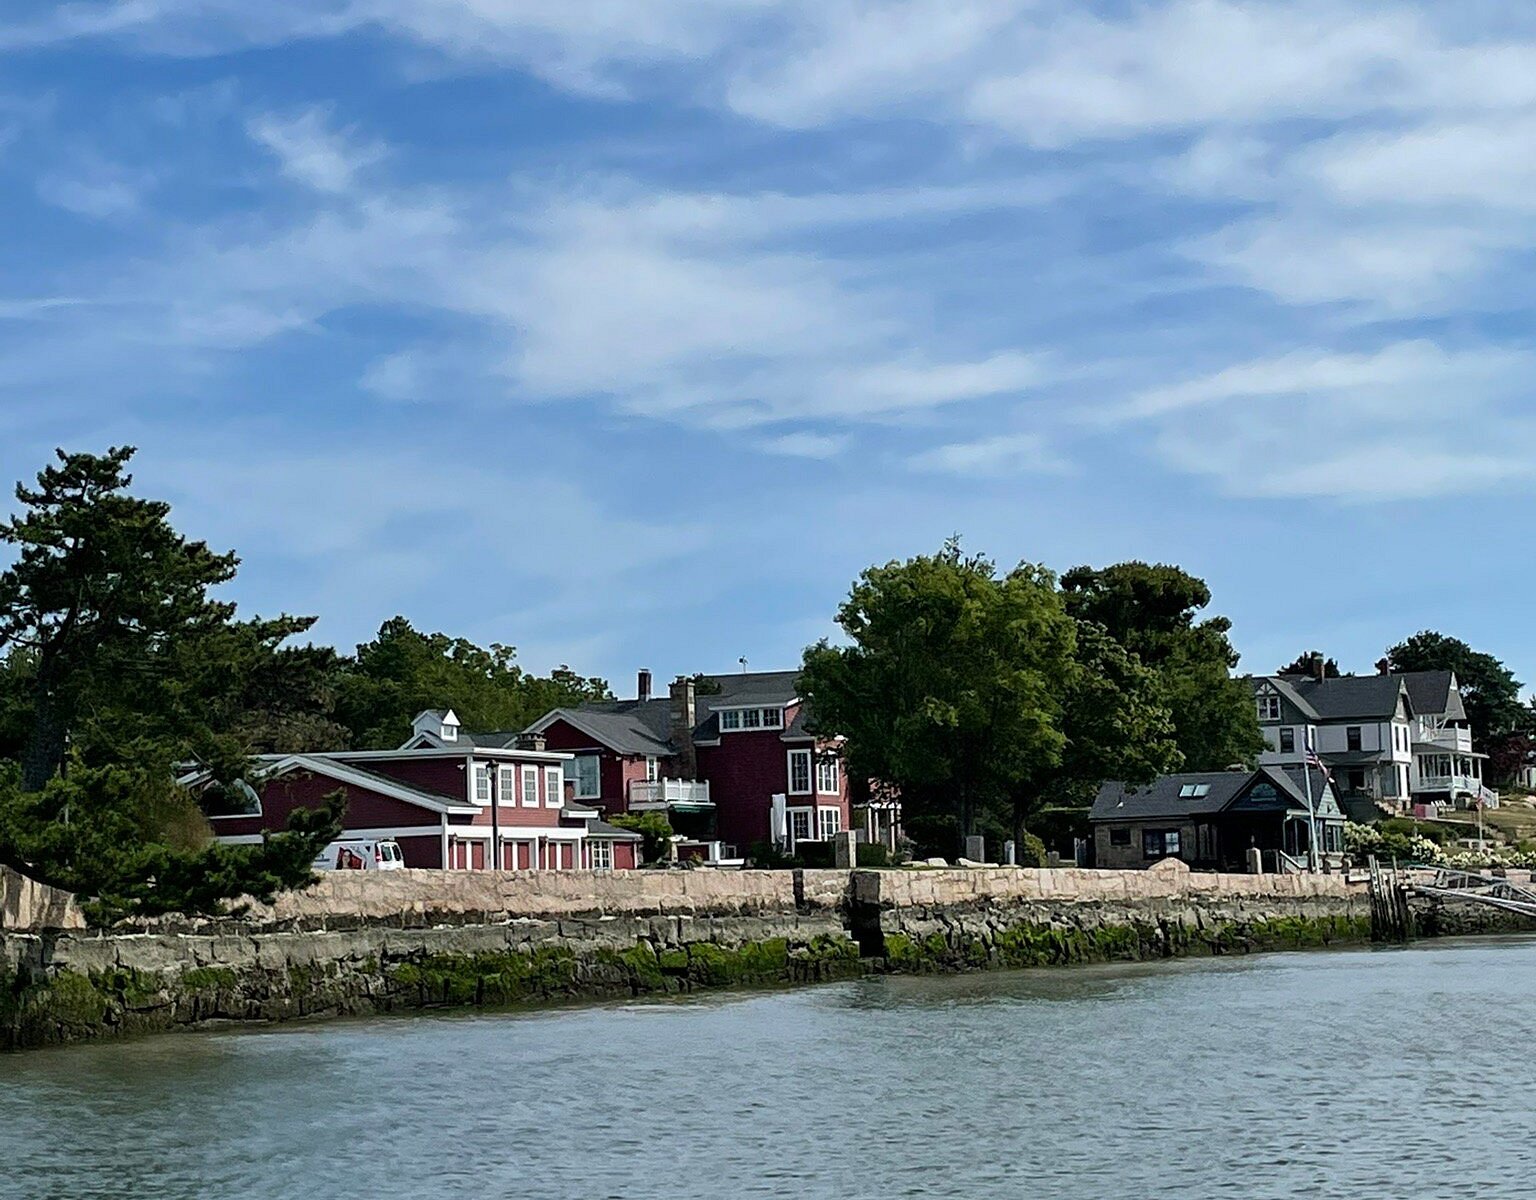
(1384, 667)
(643, 685)
(684, 718)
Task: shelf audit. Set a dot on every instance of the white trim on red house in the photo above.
(340, 772)
(346, 835)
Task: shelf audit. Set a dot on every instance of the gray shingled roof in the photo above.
(1435, 693)
(1350, 697)
(752, 687)
(603, 829)
(628, 726)
(644, 727)
(1160, 799)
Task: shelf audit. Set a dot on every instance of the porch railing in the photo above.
(658, 793)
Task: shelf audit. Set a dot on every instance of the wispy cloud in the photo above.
(999, 455)
(313, 153)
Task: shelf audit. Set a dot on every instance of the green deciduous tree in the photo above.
(403, 671)
(1306, 664)
(951, 687)
(653, 827)
(1115, 725)
(1153, 611)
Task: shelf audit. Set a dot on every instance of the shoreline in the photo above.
(363, 946)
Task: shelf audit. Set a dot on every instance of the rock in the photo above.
(935, 862)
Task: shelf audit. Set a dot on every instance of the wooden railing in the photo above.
(658, 793)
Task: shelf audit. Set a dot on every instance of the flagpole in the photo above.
(1306, 770)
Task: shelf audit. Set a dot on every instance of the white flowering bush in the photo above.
(1361, 841)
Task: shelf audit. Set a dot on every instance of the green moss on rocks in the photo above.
(1030, 944)
(209, 979)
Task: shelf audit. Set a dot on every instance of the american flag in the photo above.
(1314, 761)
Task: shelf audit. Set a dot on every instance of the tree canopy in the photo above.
(1306, 664)
(983, 698)
(1153, 612)
(403, 671)
(119, 664)
(950, 688)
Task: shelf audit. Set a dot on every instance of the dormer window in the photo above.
(1269, 708)
(448, 731)
(733, 720)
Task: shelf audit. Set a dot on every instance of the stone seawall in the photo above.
(384, 942)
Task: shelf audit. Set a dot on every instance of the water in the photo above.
(1358, 1073)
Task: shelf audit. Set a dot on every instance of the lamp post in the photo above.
(493, 774)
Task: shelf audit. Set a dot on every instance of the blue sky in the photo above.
(629, 331)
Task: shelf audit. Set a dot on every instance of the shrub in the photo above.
(1030, 852)
(873, 854)
(651, 826)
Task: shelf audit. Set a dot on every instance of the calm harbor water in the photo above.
(1355, 1073)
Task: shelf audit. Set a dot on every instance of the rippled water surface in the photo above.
(1388, 1073)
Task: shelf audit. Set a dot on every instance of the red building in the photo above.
(728, 758)
(434, 798)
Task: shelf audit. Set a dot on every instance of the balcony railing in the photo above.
(1452, 739)
(663, 793)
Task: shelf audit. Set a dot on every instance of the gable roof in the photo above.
(385, 785)
(645, 726)
(1435, 694)
(1216, 791)
(627, 726)
(1348, 697)
(1161, 798)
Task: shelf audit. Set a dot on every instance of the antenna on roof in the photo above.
(743, 661)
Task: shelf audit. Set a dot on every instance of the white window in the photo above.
(530, 787)
(602, 856)
(799, 772)
(773, 718)
(827, 773)
(554, 787)
(799, 825)
(730, 721)
(506, 787)
(651, 770)
(831, 823)
(482, 784)
(1269, 708)
(588, 777)
(751, 718)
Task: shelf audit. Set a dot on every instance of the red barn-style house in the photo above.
(729, 758)
(435, 801)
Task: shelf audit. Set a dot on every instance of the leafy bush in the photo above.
(653, 827)
(1030, 852)
(1361, 841)
(814, 854)
(873, 854)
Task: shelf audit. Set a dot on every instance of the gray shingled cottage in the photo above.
(1211, 820)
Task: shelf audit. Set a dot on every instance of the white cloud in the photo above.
(312, 153)
(1409, 421)
(998, 455)
(807, 445)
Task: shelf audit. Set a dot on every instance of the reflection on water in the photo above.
(1358, 1073)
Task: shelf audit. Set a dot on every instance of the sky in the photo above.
(628, 332)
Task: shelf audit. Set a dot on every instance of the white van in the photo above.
(361, 854)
